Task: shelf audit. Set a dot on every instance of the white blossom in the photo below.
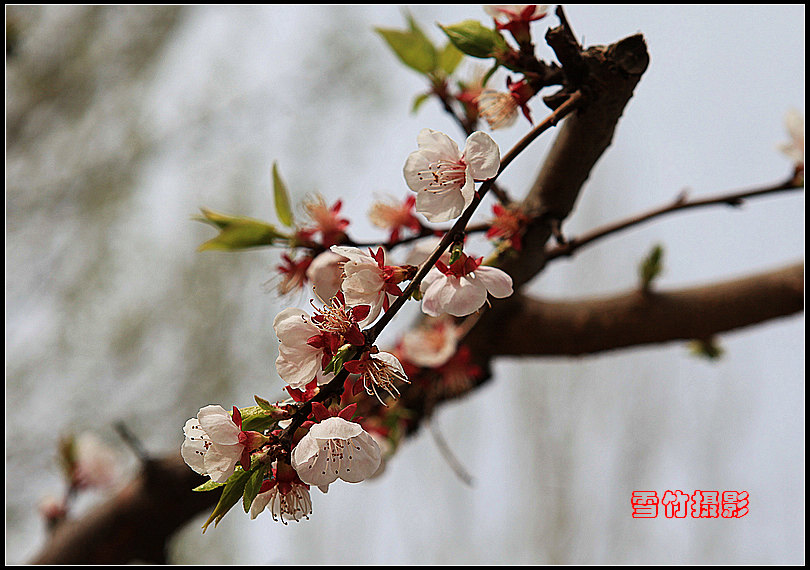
(443, 178)
(368, 281)
(212, 445)
(298, 363)
(335, 448)
(462, 288)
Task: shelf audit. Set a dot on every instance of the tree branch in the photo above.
(133, 524)
(734, 199)
(581, 327)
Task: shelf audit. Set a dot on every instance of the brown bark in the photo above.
(637, 318)
(134, 524)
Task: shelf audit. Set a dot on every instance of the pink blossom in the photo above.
(444, 178)
(336, 448)
(516, 18)
(294, 273)
(367, 280)
(378, 370)
(394, 217)
(462, 288)
(794, 122)
(215, 443)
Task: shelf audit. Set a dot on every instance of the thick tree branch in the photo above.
(134, 524)
(635, 318)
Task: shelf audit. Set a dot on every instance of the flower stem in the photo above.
(574, 101)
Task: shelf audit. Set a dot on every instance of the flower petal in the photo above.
(221, 460)
(483, 156)
(497, 282)
(440, 206)
(335, 428)
(361, 459)
(435, 146)
(218, 425)
(464, 297)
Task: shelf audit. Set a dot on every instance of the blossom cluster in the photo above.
(352, 287)
(344, 414)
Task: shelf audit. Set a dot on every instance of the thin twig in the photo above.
(448, 455)
(335, 386)
(681, 203)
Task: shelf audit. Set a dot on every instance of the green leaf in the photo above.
(651, 267)
(264, 404)
(253, 486)
(449, 58)
(231, 493)
(412, 48)
(343, 354)
(418, 100)
(476, 40)
(207, 486)
(257, 418)
(282, 199)
(708, 349)
(238, 232)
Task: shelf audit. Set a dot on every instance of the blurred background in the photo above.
(121, 122)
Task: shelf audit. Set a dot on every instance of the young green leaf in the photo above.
(238, 232)
(231, 493)
(207, 486)
(412, 48)
(282, 199)
(449, 58)
(651, 267)
(476, 40)
(253, 486)
(418, 100)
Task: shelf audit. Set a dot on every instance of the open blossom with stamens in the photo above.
(430, 345)
(215, 443)
(286, 496)
(461, 288)
(394, 217)
(500, 109)
(367, 280)
(335, 448)
(444, 178)
(307, 344)
(327, 220)
(378, 370)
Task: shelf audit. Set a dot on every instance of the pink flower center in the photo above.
(444, 175)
